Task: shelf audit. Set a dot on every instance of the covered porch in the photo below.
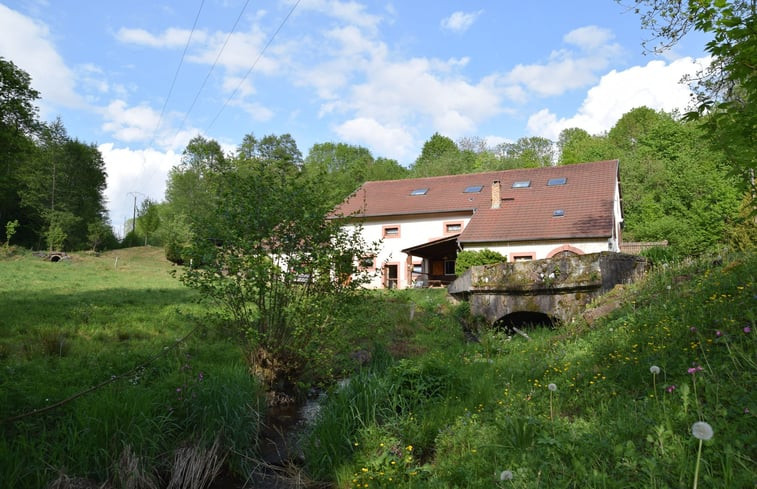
(438, 266)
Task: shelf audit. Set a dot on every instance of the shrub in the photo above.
(467, 259)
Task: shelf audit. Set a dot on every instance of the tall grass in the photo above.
(483, 414)
(70, 325)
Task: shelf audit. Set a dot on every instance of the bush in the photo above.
(467, 259)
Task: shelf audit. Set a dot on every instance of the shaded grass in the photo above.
(70, 325)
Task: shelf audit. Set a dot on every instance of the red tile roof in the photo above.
(525, 213)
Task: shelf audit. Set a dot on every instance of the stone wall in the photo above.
(559, 287)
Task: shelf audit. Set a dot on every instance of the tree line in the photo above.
(51, 188)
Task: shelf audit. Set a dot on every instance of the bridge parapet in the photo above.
(559, 287)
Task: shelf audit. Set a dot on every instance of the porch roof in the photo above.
(439, 248)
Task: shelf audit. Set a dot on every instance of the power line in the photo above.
(260, 55)
(197, 95)
(176, 74)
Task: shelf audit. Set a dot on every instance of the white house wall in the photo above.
(413, 231)
(537, 250)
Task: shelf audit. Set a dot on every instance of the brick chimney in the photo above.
(496, 199)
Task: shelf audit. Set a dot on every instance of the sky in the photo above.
(139, 79)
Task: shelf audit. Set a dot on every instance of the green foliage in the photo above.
(467, 259)
(341, 168)
(148, 220)
(727, 89)
(10, 230)
(265, 252)
(470, 415)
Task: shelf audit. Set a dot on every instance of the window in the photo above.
(556, 181)
(558, 213)
(522, 184)
(453, 227)
(449, 267)
(417, 268)
(367, 262)
(473, 189)
(522, 257)
(390, 232)
(419, 191)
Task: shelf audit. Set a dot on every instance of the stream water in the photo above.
(279, 449)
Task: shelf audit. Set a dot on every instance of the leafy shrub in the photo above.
(467, 259)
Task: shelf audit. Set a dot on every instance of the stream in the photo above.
(279, 447)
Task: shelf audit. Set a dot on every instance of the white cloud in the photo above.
(391, 142)
(170, 38)
(589, 37)
(565, 69)
(143, 171)
(460, 21)
(29, 45)
(656, 85)
(142, 124)
(351, 12)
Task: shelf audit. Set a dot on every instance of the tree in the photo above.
(727, 90)
(148, 220)
(674, 187)
(18, 125)
(279, 269)
(578, 146)
(62, 184)
(439, 156)
(529, 152)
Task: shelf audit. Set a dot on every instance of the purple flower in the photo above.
(200, 376)
(178, 389)
(718, 333)
(693, 329)
(671, 388)
(747, 329)
(746, 410)
(695, 369)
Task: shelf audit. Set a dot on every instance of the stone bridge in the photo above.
(558, 287)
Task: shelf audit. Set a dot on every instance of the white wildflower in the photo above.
(552, 387)
(701, 430)
(506, 475)
(654, 369)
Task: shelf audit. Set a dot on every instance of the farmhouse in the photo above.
(524, 214)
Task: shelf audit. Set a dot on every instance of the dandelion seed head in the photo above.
(552, 387)
(701, 430)
(654, 369)
(506, 475)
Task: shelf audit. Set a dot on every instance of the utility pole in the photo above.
(134, 215)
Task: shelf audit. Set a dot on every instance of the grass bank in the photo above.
(606, 406)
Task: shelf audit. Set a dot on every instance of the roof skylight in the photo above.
(558, 213)
(556, 181)
(419, 191)
(473, 189)
(522, 184)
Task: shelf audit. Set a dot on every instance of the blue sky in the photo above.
(385, 75)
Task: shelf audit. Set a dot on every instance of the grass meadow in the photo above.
(117, 321)
(606, 405)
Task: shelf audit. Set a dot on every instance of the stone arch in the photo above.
(524, 320)
(565, 248)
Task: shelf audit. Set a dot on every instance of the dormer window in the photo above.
(419, 191)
